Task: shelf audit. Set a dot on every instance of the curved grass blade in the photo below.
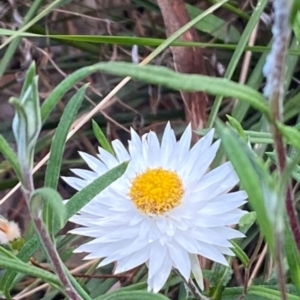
(253, 177)
(16, 265)
(57, 149)
(261, 4)
(10, 156)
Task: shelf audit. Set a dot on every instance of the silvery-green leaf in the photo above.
(27, 121)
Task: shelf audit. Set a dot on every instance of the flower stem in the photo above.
(192, 287)
(274, 71)
(45, 239)
(274, 90)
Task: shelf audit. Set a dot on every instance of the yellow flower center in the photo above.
(156, 191)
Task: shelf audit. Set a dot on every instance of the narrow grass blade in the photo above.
(100, 136)
(254, 179)
(260, 6)
(10, 156)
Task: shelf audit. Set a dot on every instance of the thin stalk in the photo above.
(274, 90)
(49, 248)
(191, 286)
(274, 71)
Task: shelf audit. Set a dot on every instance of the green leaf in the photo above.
(214, 26)
(292, 167)
(239, 252)
(17, 244)
(25, 253)
(247, 221)
(269, 293)
(57, 148)
(237, 125)
(60, 137)
(27, 120)
(100, 136)
(218, 280)
(72, 207)
(255, 293)
(252, 136)
(253, 177)
(136, 286)
(17, 265)
(85, 42)
(131, 295)
(292, 135)
(293, 257)
(166, 77)
(49, 196)
(160, 76)
(221, 275)
(10, 156)
(7, 254)
(186, 82)
(295, 15)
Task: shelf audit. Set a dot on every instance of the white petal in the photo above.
(95, 164)
(225, 250)
(156, 258)
(136, 140)
(75, 183)
(196, 154)
(232, 217)
(209, 189)
(135, 152)
(208, 221)
(154, 149)
(153, 234)
(220, 172)
(101, 250)
(211, 253)
(180, 260)
(224, 203)
(167, 145)
(187, 242)
(134, 246)
(185, 141)
(91, 232)
(201, 165)
(107, 158)
(120, 150)
(161, 224)
(211, 236)
(85, 174)
(127, 232)
(132, 261)
(228, 233)
(145, 227)
(159, 279)
(196, 270)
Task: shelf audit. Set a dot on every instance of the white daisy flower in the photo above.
(164, 211)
